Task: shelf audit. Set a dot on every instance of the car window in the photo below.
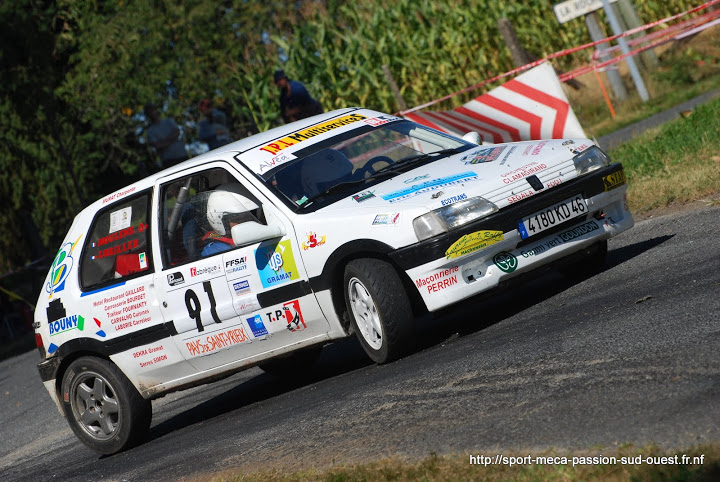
(197, 213)
(119, 243)
(354, 156)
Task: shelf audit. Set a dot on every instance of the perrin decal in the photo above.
(60, 269)
(616, 179)
(305, 134)
(472, 242)
(428, 186)
(276, 263)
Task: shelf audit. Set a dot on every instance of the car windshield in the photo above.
(350, 162)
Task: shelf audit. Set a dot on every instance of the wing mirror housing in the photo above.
(472, 136)
(253, 232)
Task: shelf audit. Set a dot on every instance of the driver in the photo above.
(226, 207)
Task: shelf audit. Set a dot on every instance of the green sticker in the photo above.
(507, 262)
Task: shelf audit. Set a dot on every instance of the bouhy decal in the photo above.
(472, 242)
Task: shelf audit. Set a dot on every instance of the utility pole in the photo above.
(634, 72)
(596, 33)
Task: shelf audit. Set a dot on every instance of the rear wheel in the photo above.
(103, 408)
(379, 309)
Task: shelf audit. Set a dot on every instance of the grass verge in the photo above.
(458, 468)
(678, 162)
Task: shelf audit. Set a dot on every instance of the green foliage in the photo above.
(75, 76)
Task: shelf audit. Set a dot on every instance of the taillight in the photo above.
(39, 344)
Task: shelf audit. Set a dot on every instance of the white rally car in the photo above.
(261, 251)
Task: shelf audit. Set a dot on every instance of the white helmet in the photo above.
(225, 204)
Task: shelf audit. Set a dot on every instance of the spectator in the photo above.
(295, 101)
(164, 136)
(213, 128)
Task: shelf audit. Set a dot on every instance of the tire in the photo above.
(103, 408)
(379, 309)
(294, 365)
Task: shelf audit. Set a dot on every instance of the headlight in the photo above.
(591, 159)
(450, 217)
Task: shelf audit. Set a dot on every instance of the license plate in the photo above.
(552, 216)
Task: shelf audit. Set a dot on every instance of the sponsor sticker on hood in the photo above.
(472, 242)
(428, 186)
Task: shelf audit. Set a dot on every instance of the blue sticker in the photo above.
(428, 186)
(257, 326)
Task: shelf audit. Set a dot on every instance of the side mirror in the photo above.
(472, 136)
(253, 232)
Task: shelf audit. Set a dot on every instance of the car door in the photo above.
(239, 303)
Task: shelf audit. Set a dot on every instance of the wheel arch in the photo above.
(334, 271)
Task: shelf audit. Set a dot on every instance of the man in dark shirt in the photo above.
(295, 101)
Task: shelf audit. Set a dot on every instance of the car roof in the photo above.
(227, 152)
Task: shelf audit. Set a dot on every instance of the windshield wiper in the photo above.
(418, 157)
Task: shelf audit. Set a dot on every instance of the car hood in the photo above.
(498, 172)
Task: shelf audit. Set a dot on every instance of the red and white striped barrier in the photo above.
(533, 105)
(530, 106)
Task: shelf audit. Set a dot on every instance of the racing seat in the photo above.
(324, 169)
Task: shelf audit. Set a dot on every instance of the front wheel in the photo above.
(103, 408)
(379, 308)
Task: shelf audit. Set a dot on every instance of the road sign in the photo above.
(566, 11)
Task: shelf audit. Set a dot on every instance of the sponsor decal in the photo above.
(614, 180)
(520, 196)
(504, 159)
(416, 179)
(195, 271)
(521, 172)
(392, 219)
(216, 341)
(483, 155)
(578, 150)
(534, 149)
(437, 194)
(60, 269)
(507, 262)
(428, 186)
(236, 264)
(257, 326)
(175, 279)
(438, 281)
(276, 263)
(152, 351)
(313, 241)
(578, 231)
(380, 120)
(246, 304)
(118, 195)
(290, 314)
(241, 287)
(453, 199)
(122, 246)
(363, 196)
(142, 260)
(472, 242)
(74, 322)
(277, 160)
(568, 142)
(305, 134)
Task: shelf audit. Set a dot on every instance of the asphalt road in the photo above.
(629, 355)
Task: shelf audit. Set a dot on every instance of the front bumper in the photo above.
(442, 282)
